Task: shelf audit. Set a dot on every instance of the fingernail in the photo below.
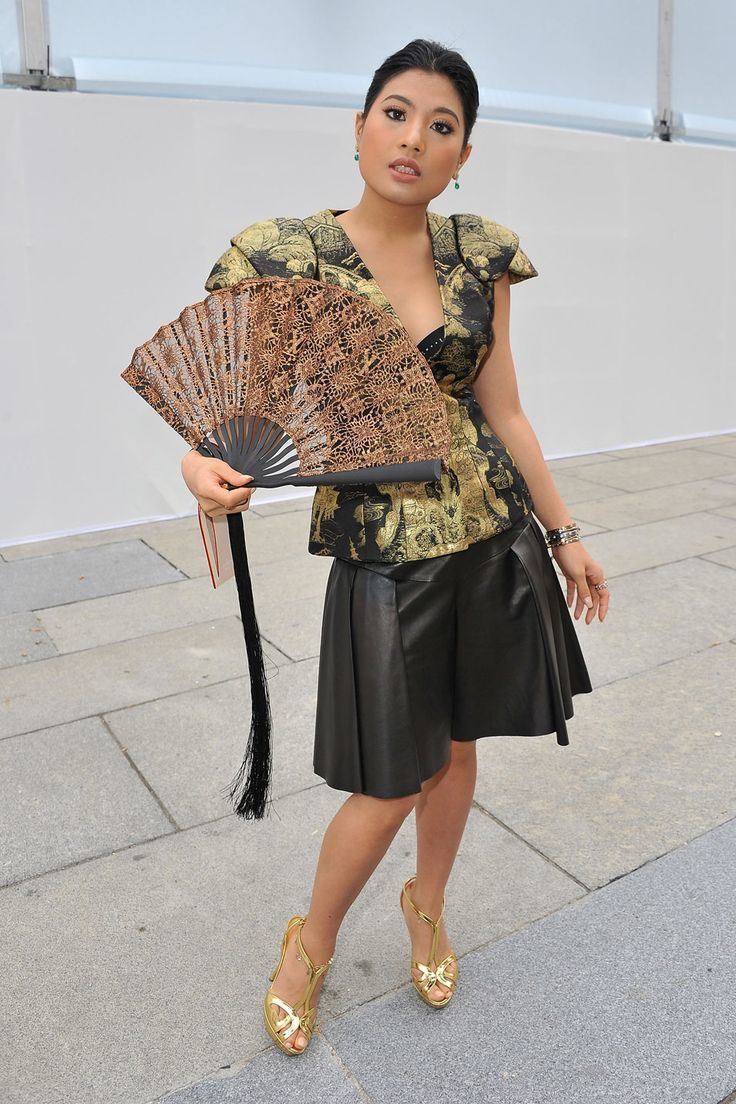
(588, 602)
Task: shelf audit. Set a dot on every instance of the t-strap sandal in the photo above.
(297, 1021)
(432, 971)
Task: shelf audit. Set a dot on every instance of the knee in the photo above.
(462, 754)
(392, 811)
(462, 751)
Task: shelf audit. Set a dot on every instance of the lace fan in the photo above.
(292, 381)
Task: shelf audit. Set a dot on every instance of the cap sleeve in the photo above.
(271, 247)
(232, 267)
(489, 249)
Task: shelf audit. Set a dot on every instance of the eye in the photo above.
(449, 129)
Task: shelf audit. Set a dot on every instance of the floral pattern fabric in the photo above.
(483, 493)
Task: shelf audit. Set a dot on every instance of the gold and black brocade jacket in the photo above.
(484, 492)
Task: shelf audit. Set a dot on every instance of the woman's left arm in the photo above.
(497, 393)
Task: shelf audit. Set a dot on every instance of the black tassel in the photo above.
(249, 794)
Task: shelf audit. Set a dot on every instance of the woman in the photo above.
(444, 619)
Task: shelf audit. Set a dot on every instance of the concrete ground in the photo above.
(591, 904)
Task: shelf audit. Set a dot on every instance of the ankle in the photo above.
(428, 900)
(320, 946)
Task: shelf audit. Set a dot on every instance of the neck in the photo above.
(391, 222)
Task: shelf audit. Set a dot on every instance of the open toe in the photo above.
(291, 1026)
(434, 981)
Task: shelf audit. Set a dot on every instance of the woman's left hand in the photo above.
(581, 572)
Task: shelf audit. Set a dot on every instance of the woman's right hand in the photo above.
(207, 477)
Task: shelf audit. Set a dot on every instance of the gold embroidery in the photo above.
(484, 492)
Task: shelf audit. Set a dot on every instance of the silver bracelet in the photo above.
(565, 534)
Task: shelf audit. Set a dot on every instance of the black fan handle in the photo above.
(257, 446)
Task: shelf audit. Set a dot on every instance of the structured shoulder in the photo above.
(489, 249)
(270, 247)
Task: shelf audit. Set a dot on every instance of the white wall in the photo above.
(114, 209)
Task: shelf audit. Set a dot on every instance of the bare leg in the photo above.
(354, 843)
(441, 813)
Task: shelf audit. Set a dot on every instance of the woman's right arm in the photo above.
(207, 479)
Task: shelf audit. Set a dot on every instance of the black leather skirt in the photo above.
(413, 655)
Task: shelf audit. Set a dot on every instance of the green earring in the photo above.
(355, 158)
(457, 184)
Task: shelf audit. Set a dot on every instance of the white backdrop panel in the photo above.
(114, 209)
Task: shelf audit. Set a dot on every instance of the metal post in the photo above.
(33, 38)
(36, 52)
(663, 118)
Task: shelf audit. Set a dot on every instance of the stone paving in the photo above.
(591, 903)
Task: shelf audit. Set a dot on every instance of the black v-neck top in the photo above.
(483, 493)
(433, 342)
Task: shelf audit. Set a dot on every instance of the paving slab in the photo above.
(24, 639)
(561, 463)
(587, 528)
(139, 906)
(727, 557)
(269, 539)
(658, 542)
(660, 468)
(179, 542)
(294, 627)
(98, 621)
(188, 746)
(635, 451)
(659, 614)
(74, 795)
(574, 484)
(139, 972)
(83, 573)
(622, 510)
(93, 538)
(261, 1080)
(117, 617)
(82, 684)
(283, 505)
(280, 536)
(651, 763)
(628, 994)
(724, 448)
(729, 435)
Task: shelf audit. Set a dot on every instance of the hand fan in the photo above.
(292, 381)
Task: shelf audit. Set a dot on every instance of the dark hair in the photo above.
(433, 57)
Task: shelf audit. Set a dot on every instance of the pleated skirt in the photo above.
(416, 654)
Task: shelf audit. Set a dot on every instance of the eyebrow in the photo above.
(446, 110)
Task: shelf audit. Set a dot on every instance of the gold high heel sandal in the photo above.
(304, 1021)
(432, 971)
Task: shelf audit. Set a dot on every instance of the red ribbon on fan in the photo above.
(294, 382)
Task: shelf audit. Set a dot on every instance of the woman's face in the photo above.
(417, 115)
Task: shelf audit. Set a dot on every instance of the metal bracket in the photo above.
(663, 127)
(45, 82)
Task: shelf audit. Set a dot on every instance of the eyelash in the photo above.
(449, 130)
